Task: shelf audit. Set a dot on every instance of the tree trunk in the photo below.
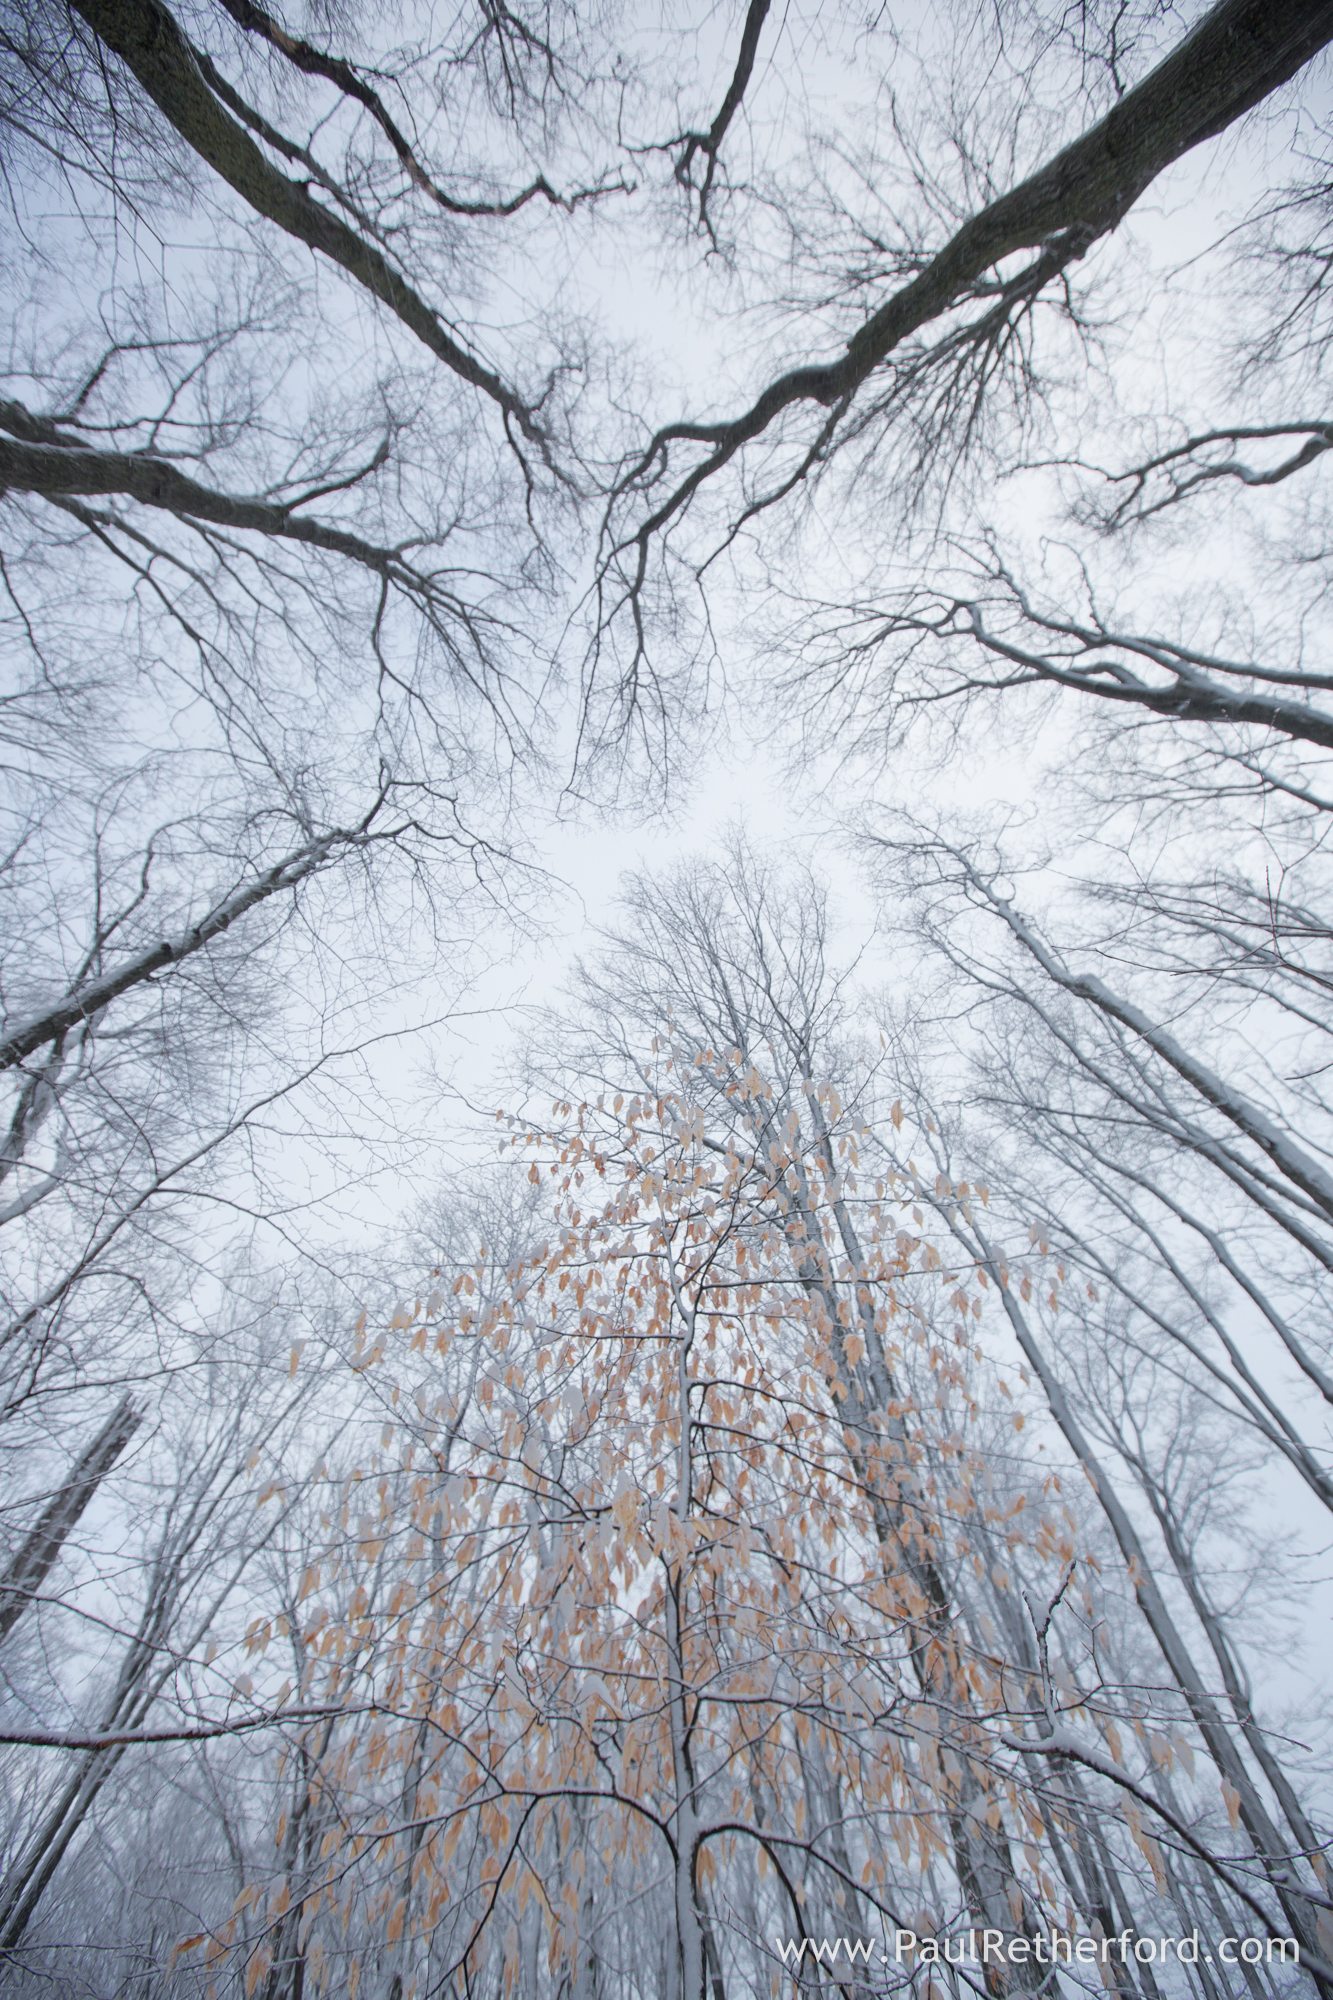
(37, 1554)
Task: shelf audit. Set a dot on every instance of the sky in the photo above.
(680, 315)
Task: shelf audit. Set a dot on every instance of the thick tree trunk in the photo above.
(37, 1554)
(981, 1856)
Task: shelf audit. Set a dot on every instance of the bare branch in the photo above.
(148, 39)
(1236, 56)
(87, 1001)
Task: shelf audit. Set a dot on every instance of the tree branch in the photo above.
(1237, 55)
(149, 41)
(87, 1000)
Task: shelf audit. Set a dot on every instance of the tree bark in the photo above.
(39, 1551)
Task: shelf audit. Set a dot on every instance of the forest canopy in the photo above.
(647, 1445)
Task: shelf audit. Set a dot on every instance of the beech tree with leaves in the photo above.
(748, 1542)
(710, 1588)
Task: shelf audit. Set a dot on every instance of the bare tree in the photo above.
(928, 360)
(730, 1534)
